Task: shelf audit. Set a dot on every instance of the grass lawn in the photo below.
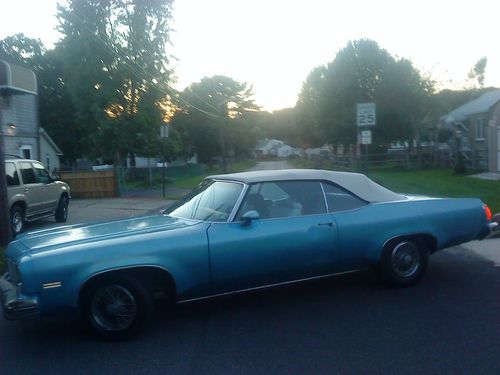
(432, 182)
(440, 183)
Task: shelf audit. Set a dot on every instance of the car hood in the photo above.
(35, 242)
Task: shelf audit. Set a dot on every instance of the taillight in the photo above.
(487, 211)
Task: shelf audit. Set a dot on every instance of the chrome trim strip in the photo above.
(324, 196)
(271, 286)
(238, 203)
(55, 284)
(36, 217)
(125, 268)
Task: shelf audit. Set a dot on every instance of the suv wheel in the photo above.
(62, 210)
(16, 220)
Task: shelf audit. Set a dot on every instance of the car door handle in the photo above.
(325, 224)
(26, 190)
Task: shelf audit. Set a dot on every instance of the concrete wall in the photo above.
(21, 111)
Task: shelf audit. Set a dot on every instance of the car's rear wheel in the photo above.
(117, 309)
(62, 210)
(403, 262)
(16, 220)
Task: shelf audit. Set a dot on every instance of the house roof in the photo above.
(263, 143)
(17, 78)
(50, 141)
(479, 105)
(356, 183)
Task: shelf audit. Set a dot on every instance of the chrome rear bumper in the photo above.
(14, 304)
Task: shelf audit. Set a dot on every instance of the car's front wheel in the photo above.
(16, 220)
(117, 309)
(403, 262)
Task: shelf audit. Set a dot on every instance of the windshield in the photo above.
(211, 200)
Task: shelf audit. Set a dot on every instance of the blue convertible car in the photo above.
(234, 233)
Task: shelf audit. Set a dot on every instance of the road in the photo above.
(448, 324)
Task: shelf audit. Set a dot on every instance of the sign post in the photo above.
(163, 135)
(365, 118)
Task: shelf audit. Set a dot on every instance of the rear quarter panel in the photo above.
(363, 232)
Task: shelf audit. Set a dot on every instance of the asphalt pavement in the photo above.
(104, 209)
(448, 324)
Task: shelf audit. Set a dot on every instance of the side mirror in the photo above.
(55, 177)
(248, 217)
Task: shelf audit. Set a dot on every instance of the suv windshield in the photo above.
(212, 201)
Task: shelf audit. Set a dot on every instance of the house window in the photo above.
(480, 124)
(47, 161)
(25, 151)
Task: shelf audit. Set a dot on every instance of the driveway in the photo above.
(104, 209)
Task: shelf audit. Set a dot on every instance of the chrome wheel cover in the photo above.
(17, 222)
(405, 259)
(113, 308)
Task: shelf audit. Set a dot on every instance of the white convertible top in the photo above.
(356, 183)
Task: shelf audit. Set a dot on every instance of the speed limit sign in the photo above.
(365, 114)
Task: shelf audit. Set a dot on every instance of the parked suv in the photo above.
(33, 193)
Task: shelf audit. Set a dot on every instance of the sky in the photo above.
(274, 44)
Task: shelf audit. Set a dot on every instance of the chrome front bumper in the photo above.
(14, 304)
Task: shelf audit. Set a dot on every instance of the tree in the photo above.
(20, 49)
(117, 72)
(310, 123)
(213, 112)
(363, 72)
(477, 73)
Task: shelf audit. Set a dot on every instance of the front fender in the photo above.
(183, 253)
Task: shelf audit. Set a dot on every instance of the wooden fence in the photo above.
(96, 184)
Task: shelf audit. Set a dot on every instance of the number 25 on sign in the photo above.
(365, 114)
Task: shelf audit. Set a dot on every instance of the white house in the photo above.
(323, 151)
(477, 124)
(272, 147)
(264, 146)
(281, 151)
(49, 152)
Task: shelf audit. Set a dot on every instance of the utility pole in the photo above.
(222, 140)
(5, 231)
(163, 135)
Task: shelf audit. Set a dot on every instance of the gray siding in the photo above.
(20, 110)
(494, 139)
